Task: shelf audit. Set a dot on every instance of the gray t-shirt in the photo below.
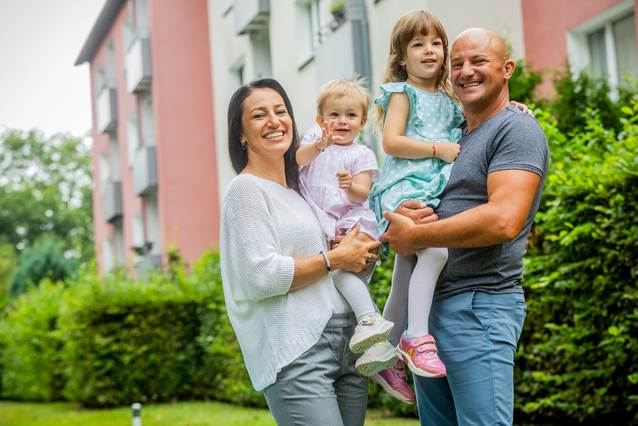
(511, 140)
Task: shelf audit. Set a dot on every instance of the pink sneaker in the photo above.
(420, 354)
(393, 380)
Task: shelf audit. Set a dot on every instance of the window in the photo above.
(118, 244)
(238, 73)
(148, 120)
(153, 224)
(110, 64)
(132, 138)
(260, 43)
(597, 53)
(104, 168)
(312, 17)
(605, 46)
(114, 160)
(100, 80)
(625, 42)
(107, 255)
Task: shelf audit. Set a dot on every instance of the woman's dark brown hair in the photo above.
(239, 156)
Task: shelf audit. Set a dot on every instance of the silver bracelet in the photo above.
(326, 261)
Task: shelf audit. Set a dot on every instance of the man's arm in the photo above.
(510, 197)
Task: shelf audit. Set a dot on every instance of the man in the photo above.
(486, 212)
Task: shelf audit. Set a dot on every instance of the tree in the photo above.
(45, 259)
(45, 188)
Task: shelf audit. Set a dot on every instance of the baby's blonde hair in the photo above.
(410, 25)
(353, 89)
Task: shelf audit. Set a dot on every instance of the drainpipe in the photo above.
(356, 14)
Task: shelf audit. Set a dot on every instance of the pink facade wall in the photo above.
(182, 95)
(546, 24)
(184, 137)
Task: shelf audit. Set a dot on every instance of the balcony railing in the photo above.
(138, 65)
(148, 263)
(112, 200)
(106, 110)
(251, 15)
(145, 170)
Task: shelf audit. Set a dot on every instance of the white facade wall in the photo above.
(291, 60)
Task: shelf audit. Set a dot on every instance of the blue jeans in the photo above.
(476, 334)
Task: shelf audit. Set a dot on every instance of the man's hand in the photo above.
(417, 211)
(399, 234)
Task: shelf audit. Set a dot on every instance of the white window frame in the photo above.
(578, 47)
(313, 20)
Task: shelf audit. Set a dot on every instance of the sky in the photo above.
(39, 85)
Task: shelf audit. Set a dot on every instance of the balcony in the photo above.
(145, 170)
(138, 66)
(106, 110)
(112, 200)
(251, 15)
(335, 57)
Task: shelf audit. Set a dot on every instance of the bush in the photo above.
(112, 341)
(31, 343)
(523, 82)
(223, 364)
(576, 95)
(133, 341)
(578, 356)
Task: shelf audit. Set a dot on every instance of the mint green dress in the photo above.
(432, 117)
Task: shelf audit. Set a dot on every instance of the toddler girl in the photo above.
(335, 180)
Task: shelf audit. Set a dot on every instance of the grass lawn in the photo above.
(178, 414)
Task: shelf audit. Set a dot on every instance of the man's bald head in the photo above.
(489, 39)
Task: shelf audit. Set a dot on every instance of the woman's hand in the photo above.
(354, 252)
(447, 151)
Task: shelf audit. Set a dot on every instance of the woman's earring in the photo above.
(243, 144)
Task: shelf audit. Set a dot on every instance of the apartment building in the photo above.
(154, 161)
(163, 71)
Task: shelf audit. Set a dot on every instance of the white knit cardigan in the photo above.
(263, 226)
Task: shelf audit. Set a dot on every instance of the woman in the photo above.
(292, 324)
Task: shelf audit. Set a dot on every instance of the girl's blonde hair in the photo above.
(353, 89)
(410, 25)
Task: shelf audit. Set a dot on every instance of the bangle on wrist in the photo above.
(326, 261)
(433, 150)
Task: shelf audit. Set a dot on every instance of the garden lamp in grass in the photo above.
(137, 414)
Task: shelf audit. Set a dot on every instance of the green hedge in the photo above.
(30, 344)
(578, 357)
(113, 341)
